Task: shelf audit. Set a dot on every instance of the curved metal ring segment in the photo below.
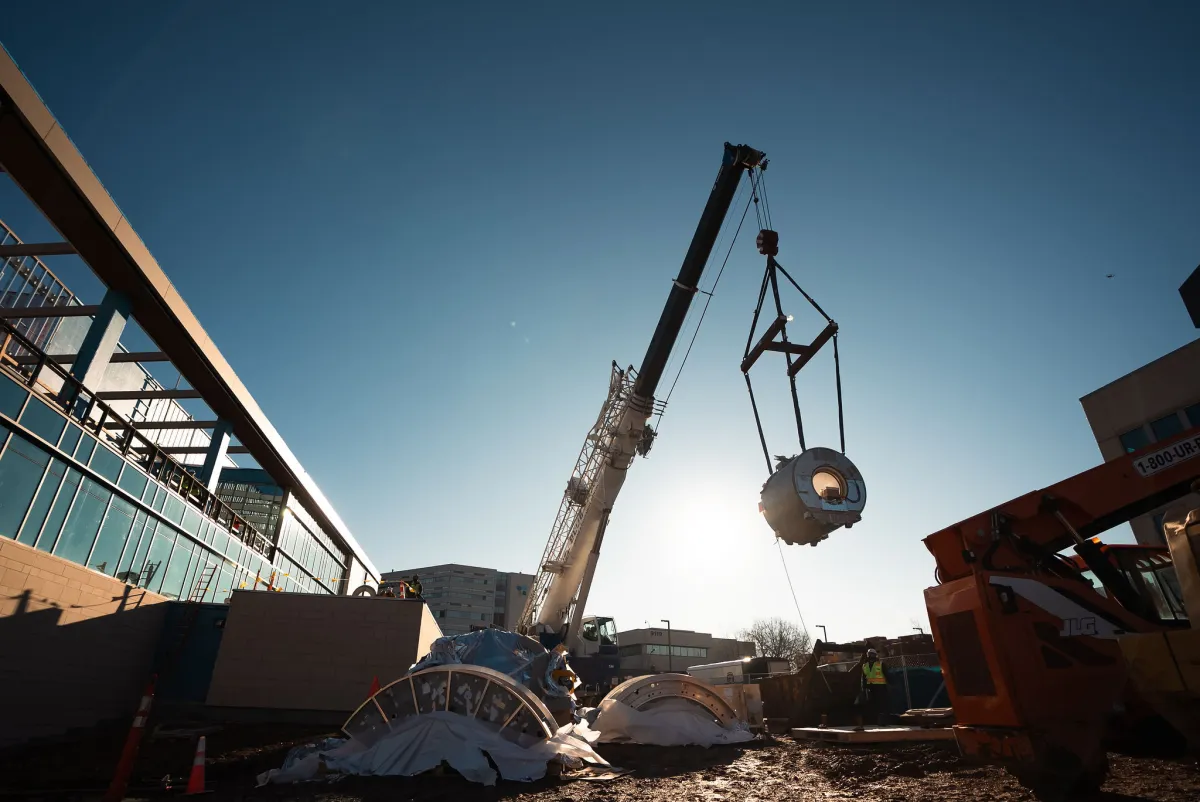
(645, 693)
(474, 691)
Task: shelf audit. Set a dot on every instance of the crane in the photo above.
(554, 608)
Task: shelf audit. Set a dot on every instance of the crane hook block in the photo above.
(811, 495)
(768, 242)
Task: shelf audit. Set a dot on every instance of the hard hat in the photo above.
(872, 653)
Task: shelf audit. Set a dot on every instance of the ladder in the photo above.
(203, 583)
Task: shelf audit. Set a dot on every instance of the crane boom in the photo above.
(564, 578)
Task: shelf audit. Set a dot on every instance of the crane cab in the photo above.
(594, 657)
(597, 635)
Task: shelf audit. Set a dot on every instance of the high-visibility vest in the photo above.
(874, 673)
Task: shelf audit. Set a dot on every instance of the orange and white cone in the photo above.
(120, 780)
(196, 780)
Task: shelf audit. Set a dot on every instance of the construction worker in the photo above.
(415, 586)
(875, 686)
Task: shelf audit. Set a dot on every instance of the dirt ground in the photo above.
(779, 769)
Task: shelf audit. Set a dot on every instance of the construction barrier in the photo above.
(804, 697)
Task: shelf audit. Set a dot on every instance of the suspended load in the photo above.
(820, 490)
(813, 494)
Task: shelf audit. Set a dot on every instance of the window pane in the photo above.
(233, 549)
(58, 512)
(225, 584)
(41, 505)
(133, 482)
(191, 522)
(43, 421)
(174, 509)
(21, 469)
(113, 535)
(181, 558)
(107, 464)
(1193, 414)
(1134, 440)
(135, 549)
(86, 446)
(83, 523)
(12, 396)
(220, 542)
(197, 571)
(212, 580)
(156, 560)
(1167, 426)
(70, 438)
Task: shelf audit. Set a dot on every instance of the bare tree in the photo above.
(780, 639)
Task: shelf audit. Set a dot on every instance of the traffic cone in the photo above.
(196, 780)
(374, 686)
(120, 780)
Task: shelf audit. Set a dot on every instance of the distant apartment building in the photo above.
(654, 650)
(1152, 404)
(466, 597)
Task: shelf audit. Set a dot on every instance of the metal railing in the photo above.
(98, 418)
(26, 282)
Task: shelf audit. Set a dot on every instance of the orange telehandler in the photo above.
(1051, 659)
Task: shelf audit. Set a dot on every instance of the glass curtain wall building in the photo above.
(100, 462)
(105, 498)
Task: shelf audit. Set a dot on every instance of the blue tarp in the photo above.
(926, 686)
(506, 652)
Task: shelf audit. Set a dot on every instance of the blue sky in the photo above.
(420, 236)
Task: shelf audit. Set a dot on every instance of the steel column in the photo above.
(100, 341)
(210, 472)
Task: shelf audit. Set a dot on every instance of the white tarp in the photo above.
(422, 742)
(671, 722)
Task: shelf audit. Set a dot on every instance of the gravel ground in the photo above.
(767, 771)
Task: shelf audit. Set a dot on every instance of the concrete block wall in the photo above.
(76, 646)
(298, 652)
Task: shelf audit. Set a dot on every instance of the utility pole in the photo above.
(670, 656)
